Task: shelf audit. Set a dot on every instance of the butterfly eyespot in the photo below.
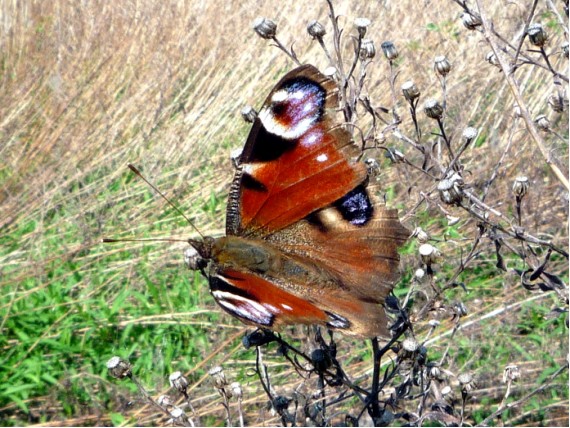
(356, 207)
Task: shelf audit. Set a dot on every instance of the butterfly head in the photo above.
(197, 255)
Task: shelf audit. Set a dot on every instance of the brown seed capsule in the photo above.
(410, 90)
(471, 22)
(248, 114)
(442, 65)
(119, 368)
(520, 186)
(362, 25)
(433, 109)
(537, 35)
(390, 51)
(367, 49)
(316, 30)
(265, 28)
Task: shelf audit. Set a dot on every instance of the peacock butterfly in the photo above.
(306, 240)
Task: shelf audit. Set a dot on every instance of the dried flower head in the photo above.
(419, 274)
(511, 373)
(316, 30)
(520, 186)
(429, 254)
(410, 90)
(330, 72)
(237, 392)
(537, 35)
(451, 188)
(119, 368)
(420, 234)
(218, 376)
(471, 22)
(491, 58)
(389, 49)
(469, 134)
(542, 122)
(434, 371)
(362, 25)
(410, 344)
(248, 114)
(367, 49)
(179, 381)
(442, 65)
(556, 103)
(265, 28)
(433, 109)
(165, 401)
(460, 309)
(466, 382)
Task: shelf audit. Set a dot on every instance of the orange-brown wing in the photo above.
(295, 161)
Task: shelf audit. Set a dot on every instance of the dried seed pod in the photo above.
(511, 373)
(219, 377)
(471, 22)
(119, 368)
(520, 186)
(433, 109)
(179, 381)
(466, 382)
(410, 344)
(460, 309)
(389, 49)
(248, 114)
(362, 25)
(420, 234)
(491, 58)
(542, 122)
(451, 188)
(469, 134)
(265, 28)
(410, 90)
(442, 65)
(419, 274)
(537, 35)
(367, 49)
(556, 103)
(236, 390)
(429, 254)
(316, 30)
(165, 401)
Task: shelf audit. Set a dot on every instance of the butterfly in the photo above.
(307, 241)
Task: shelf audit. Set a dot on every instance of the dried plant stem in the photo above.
(536, 137)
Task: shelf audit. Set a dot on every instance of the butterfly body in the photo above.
(306, 240)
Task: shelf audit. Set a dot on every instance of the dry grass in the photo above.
(86, 87)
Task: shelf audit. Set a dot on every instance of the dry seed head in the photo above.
(511, 373)
(367, 49)
(517, 111)
(446, 390)
(178, 381)
(451, 188)
(248, 114)
(434, 372)
(265, 28)
(390, 51)
(469, 134)
(410, 344)
(419, 273)
(330, 72)
(520, 186)
(556, 103)
(164, 401)
(537, 35)
(467, 382)
(362, 25)
(236, 390)
(218, 377)
(316, 30)
(420, 234)
(429, 254)
(491, 58)
(442, 65)
(119, 368)
(542, 123)
(410, 90)
(471, 22)
(460, 309)
(433, 109)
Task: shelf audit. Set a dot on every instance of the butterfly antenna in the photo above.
(178, 210)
